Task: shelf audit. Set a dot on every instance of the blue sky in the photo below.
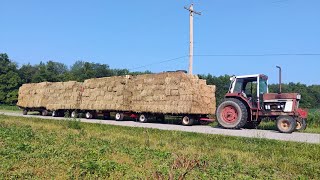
(130, 34)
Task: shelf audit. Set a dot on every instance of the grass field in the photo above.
(42, 149)
(8, 108)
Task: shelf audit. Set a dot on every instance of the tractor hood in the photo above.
(272, 96)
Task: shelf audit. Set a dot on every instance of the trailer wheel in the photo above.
(89, 115)
(301, 124)
(25, 112)
(187, 120)
(44, 112)
(119, 116)
(74, 114)
(143, 118)
(286, 124)
(55, 113)
(232, 114)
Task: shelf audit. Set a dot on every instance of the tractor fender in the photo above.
(243, 100)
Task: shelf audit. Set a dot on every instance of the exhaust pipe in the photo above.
(280, 79)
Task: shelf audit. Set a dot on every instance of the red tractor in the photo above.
(248, 101)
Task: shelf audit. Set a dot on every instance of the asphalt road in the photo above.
(250, 133)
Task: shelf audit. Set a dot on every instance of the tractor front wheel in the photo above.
(301, 124)
(232, 114)
(286, 124)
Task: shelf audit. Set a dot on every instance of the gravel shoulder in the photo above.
(250, 133)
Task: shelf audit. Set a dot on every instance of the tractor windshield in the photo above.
(263, 86)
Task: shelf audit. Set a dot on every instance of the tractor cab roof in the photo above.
(252, 77)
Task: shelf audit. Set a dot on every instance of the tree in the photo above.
(81, 70)
(26, 73)
(9, 80)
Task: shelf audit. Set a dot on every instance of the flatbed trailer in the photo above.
(143, 98)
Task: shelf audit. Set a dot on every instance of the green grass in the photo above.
(43, 149)
(9, 108)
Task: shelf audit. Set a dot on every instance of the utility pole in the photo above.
(192, 12)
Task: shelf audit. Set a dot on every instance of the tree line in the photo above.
(12, 77)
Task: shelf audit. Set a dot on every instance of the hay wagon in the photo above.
(142, 97)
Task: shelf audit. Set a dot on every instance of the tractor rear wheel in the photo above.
(232, 114)
(301, 124)
(286, 124)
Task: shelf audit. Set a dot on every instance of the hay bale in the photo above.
(107, 93)
(180, 92)
(33, 95)
(65, 95)
(50, 95)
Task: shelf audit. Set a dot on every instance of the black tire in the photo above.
(286, 124)
(89, 115)
(25, 112)
(301, 124)
(119, 116)
(106, 115)
(143, 118)
(74, 114)
(187, 120)
(44, 112)
(252, 125)
(232, 114)
(55, 113)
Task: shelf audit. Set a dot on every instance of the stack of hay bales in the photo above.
(171, 93)
(109, 93)
(167, 93)
(50, 95)
(34, 95)
(64, 95)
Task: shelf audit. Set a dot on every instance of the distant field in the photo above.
(44, 149)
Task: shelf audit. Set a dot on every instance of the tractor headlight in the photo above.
(299, 96)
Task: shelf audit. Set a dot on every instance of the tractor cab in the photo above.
(250, 88)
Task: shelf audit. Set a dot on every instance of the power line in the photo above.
(257, 55)
(159, 62)
(227, 55)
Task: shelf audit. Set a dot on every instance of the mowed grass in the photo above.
(42, 149)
